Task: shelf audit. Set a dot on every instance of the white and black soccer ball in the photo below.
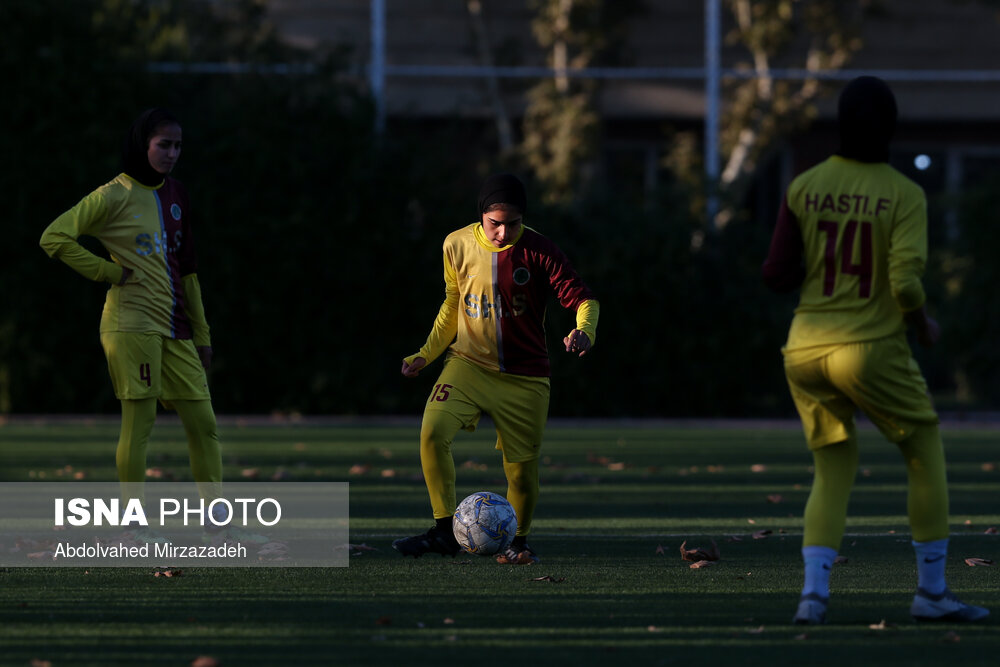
(484, 523)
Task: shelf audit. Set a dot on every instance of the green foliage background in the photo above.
(319, 243)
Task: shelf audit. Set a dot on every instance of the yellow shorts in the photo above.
(879, 377)
(518, 405)
(148, 365)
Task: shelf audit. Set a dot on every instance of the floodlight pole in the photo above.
(712, 96)
(376, 71)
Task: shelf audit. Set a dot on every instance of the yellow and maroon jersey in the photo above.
(853, 235)
(494, 309)
(145, 229)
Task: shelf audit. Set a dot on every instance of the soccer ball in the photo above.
(484, 523)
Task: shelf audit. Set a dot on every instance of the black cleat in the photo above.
(436, 540)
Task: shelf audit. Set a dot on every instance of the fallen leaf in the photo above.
(989, 467)
(991, 531)
(167, 572)
(549, 577)
(653, 628)
(698, 553)
(250, 473)
(659, 550)
(35, 662)
(973, 562)
(756, 631)
(801, 637)
(751, 521)
(881, 625)
(839, 560)
(758, 467)
(734, 538)
(388, 473)
(761, 534)
(358, 469)
(702, 563)
(449, 621)
(205, 661)
(383, 620)
(774, 498)
(951, 637)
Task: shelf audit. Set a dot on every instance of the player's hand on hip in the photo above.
(205, 355)
(411, 370)
(577, 342)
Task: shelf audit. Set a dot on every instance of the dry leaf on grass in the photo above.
(659, 550)
(951, 637)
(702, 563)
(774, 498)
(801, 637)
(698, 553)
(973, 562)
(383, 620)
(35, 662)
(205, 661)
(167, 572)
(991, 531)
(839, 560)
(756, 631)
(549, 577)
(881, 625)
(761, 534)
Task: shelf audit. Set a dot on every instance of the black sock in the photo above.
(443, 523)
(519, 541)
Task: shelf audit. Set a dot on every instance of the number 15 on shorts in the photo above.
(440, 393)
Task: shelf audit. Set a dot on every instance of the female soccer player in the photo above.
(852, 236)
(153, 328)
(498, 276)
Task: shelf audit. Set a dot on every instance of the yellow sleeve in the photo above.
(908, 255)
(195, 310)
(59, 240)
(586, 318)
(446, 323)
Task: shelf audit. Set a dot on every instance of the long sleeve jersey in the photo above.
(147, 230)
(494, 308)
(853, 235)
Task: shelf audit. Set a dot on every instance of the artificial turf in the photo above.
(618, 499)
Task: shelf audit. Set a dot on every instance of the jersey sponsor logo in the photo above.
(479, 306)
(175, 211)
(147, 244)
(521, 276)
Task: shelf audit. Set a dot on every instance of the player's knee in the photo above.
(436, 433)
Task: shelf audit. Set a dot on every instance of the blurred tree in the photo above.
(561, 125)
(761, 110)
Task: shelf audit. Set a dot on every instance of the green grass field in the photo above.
(617, 501)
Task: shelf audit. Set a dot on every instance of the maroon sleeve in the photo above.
(186, 256)
(783, 270)
(567, 285)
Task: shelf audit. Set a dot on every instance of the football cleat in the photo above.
(518, 555)
(436, 540)
(811, 611)
(944, 606)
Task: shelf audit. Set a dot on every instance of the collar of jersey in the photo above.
(143, 185)
(485, 242)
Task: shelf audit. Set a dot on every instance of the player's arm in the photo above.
(59, 240)
(582, 338)
(194, 307)
(573, 294)
(783, 270)
(445, 326)
(907, 259)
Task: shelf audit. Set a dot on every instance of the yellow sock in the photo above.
(204, 449)
(137, 424)
(927, 495)
(522, 491)
(436, 434)
(826, 510)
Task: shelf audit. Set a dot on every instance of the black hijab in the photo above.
(503, 189)
(135, 160)
(866, 115)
